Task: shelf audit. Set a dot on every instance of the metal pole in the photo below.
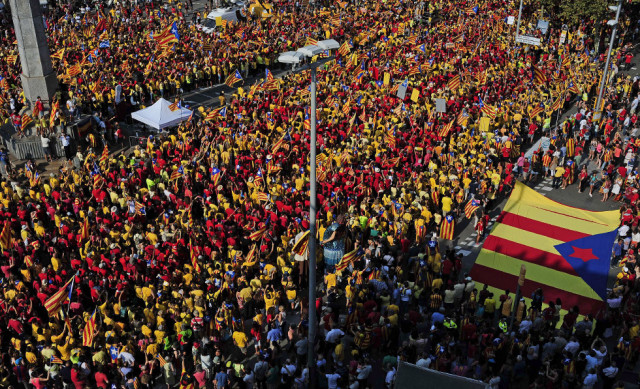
(603, 82)
(311, 363)
(518, 25)
(514, 308)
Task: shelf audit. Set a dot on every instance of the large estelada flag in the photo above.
(566, 250)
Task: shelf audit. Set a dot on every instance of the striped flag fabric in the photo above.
(89, 331)
(84, 234)
(54, 303)
(97, 181)
(215, 176)
(268, 75)
(482, 78)
(168, 35)
(573, 87)
(421, 233)
(193, 255)
(139, 208)
(344, 49)
(346, 108)
(58, 54)
(307, 122)
(258, 234)
(447, 227)
(310, 41)
(179, 172)
(26, 120)
(263, 196)
(74, 70)
(454, 82)
(104, 157)
(489, 110)
(538, 76)
(472, 10)
(161, 360)
(54, 109)
(221, 111)
(462, 118)
(536, 111)
(56, 360)
(233, 78)
(301, 246)
(558, 103)
(471, 208)
(6, 236)
(414, 70)
(173, 107)
(277, 145)
(398, 109)
(250, 255)
(566, 250)
(348, 258)
(444, 131)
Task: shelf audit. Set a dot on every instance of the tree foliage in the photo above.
(574, 12)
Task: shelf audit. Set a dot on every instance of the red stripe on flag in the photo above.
(540, 228)
(528, 254)
(501, 280)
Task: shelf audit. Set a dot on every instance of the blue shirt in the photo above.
(274, 335)
(437, 317)
(221, 379)
(617, 249)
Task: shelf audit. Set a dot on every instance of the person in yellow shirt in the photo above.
(446, 204)
(240, 339)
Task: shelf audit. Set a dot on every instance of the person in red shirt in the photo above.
(77, 377)
(101, 379)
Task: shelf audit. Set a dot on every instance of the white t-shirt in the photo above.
(332, 380)
(391, 376)
(334, 335)
(623, 230)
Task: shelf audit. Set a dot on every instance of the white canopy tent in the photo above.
(159, 115)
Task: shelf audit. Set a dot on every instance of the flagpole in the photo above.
(603, 82)
(312, 236)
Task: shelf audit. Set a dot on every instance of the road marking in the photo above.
(464, 252)
(547, 188)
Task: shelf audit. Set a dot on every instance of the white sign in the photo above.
(543, 26)
(511, 20)
(528, 40)
(441, 105)
(402, 90)
(563, 37)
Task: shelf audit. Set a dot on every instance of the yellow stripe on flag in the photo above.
(526, 202)
(536, 273)
(526, 238)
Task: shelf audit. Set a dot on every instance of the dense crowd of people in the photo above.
(183, 261)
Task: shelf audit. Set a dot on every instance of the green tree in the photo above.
(580, 11)
(575, 11)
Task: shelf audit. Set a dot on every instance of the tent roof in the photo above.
(159, 115)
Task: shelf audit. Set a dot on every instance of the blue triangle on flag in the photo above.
(590, 257)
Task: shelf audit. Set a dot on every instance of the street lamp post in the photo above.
(603, 82)
(518, 24)
(295, 58)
